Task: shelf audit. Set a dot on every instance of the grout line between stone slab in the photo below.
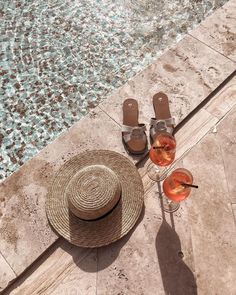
(225, 115)
(234, 215)
(227, 184)
(97, 273)
(205, 101)
(211, 48)
(20, 278)
(181, 158)
(233, 207)
(109, 116)
(8, 265)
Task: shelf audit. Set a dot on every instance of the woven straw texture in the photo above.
(122, 176)
(93, 192)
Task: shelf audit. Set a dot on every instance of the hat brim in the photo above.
(111, 227)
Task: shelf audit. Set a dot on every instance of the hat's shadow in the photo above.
(112, 252)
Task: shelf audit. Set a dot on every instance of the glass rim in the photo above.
(168, 135)
(186, 171)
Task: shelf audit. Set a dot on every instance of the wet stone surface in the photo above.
(58, 59)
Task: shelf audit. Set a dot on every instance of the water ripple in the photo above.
(61, 58)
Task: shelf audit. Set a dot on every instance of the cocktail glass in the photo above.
(162, 154)
(176, 188)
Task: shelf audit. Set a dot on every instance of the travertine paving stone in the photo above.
(67, 270)
(219, 30)
(187, 137)
(202, 232)
(211, 220)
(6, 274)
(24, 229)
(193, 131)
(234, 211)
(187, 73)
(81, 280)
(224, 101)
(199, 125)
(226, 138)
(148, 259)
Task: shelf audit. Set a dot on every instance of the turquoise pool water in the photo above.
(61, 58)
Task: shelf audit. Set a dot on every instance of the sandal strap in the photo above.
(134, 132)
(140, 127)
(165, 125)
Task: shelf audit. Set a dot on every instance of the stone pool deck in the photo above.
(199, 77)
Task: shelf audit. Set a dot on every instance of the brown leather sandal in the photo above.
(163, 122)
(133, 133)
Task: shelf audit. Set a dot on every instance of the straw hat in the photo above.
(95, 198)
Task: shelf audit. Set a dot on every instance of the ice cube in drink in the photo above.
(162, 152)
(174, 187)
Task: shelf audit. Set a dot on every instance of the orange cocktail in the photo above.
(162, 152)
(176, 187)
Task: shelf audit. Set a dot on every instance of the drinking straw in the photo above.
(158, 147)
(189, 185)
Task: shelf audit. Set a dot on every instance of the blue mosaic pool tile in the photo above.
(59, 58)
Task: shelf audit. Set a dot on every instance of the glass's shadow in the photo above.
(177, 277)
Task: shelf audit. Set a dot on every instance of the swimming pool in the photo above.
(61, 58)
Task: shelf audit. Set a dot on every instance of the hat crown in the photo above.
(93, 191)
